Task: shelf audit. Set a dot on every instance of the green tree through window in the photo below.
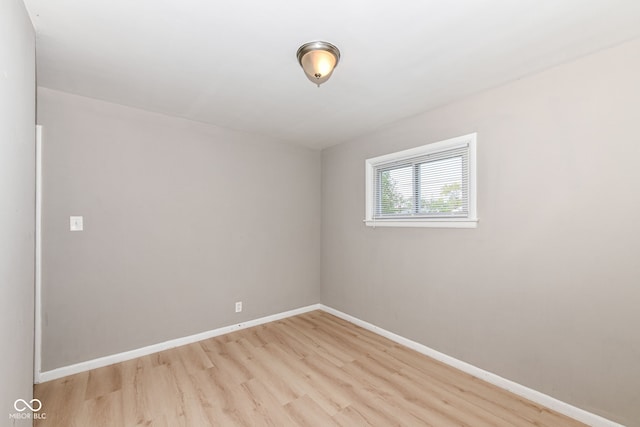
(392, 201)
(449, 201)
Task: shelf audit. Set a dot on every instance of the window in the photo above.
(429, 186)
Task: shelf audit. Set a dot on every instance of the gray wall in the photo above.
(17, 206)
(182, 219)
(546, 291)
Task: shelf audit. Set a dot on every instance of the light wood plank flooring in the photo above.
(309, 370)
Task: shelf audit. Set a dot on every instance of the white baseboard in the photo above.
(154, 348)
(526, 392)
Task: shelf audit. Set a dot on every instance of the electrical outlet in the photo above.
(75, 223)
(238, 306)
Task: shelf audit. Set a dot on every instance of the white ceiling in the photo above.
(232, 63)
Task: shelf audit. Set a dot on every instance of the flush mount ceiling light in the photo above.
(318, 59)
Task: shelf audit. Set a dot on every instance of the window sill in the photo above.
(467, 223)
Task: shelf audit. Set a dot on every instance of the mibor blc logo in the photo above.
(28, 410)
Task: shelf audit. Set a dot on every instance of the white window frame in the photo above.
(470, 221)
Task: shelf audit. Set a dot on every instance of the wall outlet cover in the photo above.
(76, 223)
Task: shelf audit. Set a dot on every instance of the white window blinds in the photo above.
(433, 185)
(429, 183)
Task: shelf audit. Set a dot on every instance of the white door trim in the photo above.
(37, 344)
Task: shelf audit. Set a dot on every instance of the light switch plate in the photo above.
(76, 223)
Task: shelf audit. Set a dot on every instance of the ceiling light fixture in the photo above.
(318, 59)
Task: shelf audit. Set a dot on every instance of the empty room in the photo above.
(346, 213)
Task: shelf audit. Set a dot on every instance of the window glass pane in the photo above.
(441, 188)
(396, 191)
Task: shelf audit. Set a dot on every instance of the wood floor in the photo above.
(309, 370)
